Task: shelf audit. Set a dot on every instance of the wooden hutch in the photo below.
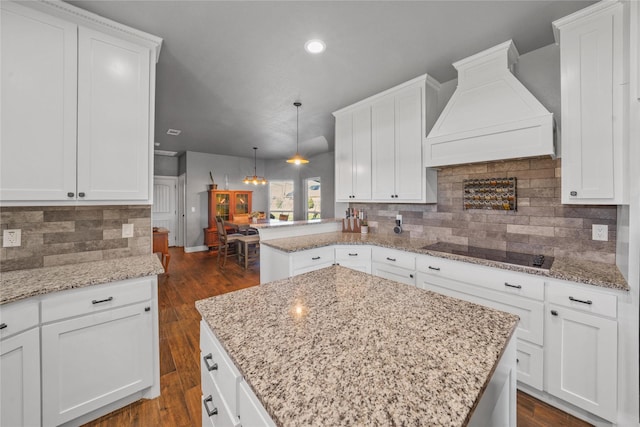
(227, 204)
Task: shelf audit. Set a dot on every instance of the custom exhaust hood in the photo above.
(491, 115)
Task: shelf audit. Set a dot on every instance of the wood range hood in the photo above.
(491, 115)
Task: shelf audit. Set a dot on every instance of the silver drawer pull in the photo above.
(353, 254)
(512, 286)
(434, 268)
(315, 258)
(589, 302)
(3, 325)
(391, 259)
(212, 367)
(100, 301)
(210, 412)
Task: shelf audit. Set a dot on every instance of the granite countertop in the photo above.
(340, 347)
(277, 223)
(20, 284)
(587, 272)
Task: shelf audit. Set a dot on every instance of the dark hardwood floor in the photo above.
(196, 276)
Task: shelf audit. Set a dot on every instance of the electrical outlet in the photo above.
(11, 238)
(127, 230)
(600, 232)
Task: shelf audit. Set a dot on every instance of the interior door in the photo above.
(164, 212)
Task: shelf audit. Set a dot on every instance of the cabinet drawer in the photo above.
(394, 273)
(312, 257)
(76, 302)
(530, 364)
(18, 316)
(216, 364)
(394, 257)
(531, 313)
(250, 410)
(215, 411)
(353, 253)
(525, 285)
(580, 298)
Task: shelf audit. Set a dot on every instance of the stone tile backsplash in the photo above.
(58, 235)
(541, 223)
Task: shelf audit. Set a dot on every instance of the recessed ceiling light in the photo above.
(173, 132)
(315, 46)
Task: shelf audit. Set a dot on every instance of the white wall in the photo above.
(165, 166)
(321, 165)
(198, 166)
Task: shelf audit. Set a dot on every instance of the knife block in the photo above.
(351, 225)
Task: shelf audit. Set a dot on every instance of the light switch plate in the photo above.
(127, 230)
(600, 232)
(11, 238)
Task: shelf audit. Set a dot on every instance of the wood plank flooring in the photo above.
(196, 276)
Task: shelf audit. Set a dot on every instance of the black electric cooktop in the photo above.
(527, 260)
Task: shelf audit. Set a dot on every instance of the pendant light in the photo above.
(255, 179)
(297, 158)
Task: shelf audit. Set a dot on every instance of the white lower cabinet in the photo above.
(93, 360)
(227, 399)
(393, 264)
(312, 259)
(20, 374)
(582, 350)
(355, 257)
(72, 356)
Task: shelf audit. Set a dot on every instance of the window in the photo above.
(312, 186)
(281, 199)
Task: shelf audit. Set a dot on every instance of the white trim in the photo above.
(430, 81)
(200, 248)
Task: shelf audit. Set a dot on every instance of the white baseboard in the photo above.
(190, 249)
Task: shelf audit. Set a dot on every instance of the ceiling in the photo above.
(229, 71)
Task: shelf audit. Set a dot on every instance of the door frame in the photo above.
(181, 229)
(174, 180)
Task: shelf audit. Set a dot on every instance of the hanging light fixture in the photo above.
(255, 179)
(297, 158)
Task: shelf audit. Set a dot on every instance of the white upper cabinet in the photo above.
(594, 81)
(39, 66)
(379, 146)
(113, 118)
(353, 155)
(77, 103)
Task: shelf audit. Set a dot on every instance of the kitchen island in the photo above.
(341, 347)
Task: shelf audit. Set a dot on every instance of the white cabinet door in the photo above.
(383, 149)
(20, 384)
(362, 154)
(592, 81)
(91, 361)
(582, 360)
(113, 118)
(38, 129)
(409, 170)
(344, 157)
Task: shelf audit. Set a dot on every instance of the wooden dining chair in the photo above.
(224, 240)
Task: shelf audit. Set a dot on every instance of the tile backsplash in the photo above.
(58, 235)
(541, 223)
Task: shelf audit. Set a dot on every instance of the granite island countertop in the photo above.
(340, 347)
(587, 272)
(21, 284)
